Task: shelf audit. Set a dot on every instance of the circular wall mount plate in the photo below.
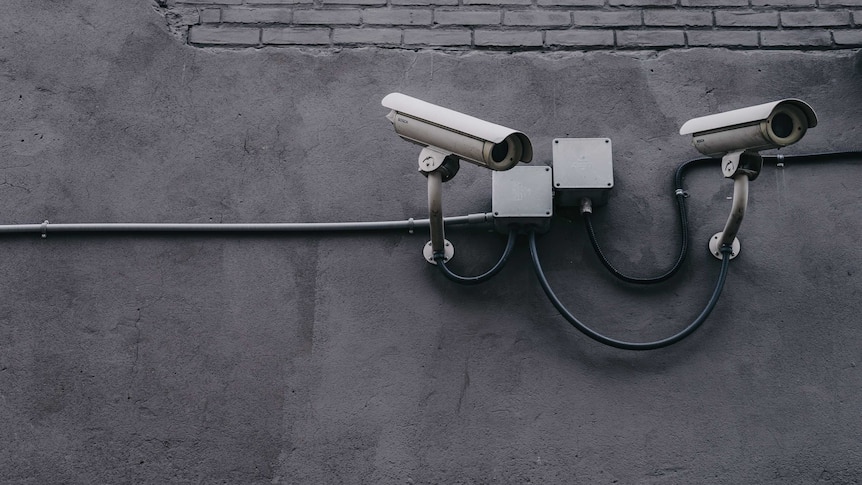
(715, 249)
(448, 252)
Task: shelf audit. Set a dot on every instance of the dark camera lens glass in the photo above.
(499, 152)
(782, 125)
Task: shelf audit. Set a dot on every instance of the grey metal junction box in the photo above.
(522, 196)
(583, 167)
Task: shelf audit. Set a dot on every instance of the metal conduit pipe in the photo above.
(409, 225)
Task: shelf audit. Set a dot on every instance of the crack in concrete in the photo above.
(464, 385)
(6, 183)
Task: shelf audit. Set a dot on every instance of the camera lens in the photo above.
(782, 125)
(499, 152)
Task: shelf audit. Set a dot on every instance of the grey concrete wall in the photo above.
(347, 358)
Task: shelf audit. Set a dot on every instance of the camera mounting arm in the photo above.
(438, 166)
(734, 220)
(741, 166)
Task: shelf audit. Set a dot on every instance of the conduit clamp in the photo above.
(45, 229)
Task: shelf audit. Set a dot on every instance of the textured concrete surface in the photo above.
(348, 359)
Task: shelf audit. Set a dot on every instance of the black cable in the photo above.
(620, 344)
(680, 195)
(683, 229)
(682, 210)
(683, 251)
(475, 280)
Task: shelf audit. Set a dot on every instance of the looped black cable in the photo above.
(620, 344)
(683, 251)
(683, 229)
(475, 280)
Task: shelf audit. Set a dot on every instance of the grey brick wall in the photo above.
(519, 24)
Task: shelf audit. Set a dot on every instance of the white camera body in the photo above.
(447, 131)
(755, 128)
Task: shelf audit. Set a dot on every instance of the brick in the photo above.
(537, 18)
(597, 18)
(722, 38)
(391, 16)
(815, 19)
(326, 17)
(213, 2)
(570, 3)
(857, 18)
(294, 36)
(466, 17)
(841, 3)
(783, 3)
(437, 37)
(846, 38)
(210, 15)
(518, 38)
(580, 38)
(423, 2)
(642, 3)
(277, 2)
(204, 34)
(796, 38)
(746, 19)
(354, 2)
(678, 18)
(714, 3)
(367, 36)
(256, 15)
(650, 38)
(497, 3)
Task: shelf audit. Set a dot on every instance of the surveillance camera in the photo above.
(755, 128)
(471, 139)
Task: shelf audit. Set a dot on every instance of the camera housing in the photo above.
(737, 137)
(761, 127)
(451, 132)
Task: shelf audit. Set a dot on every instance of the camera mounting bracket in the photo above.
(741, 162)
(431, 159)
